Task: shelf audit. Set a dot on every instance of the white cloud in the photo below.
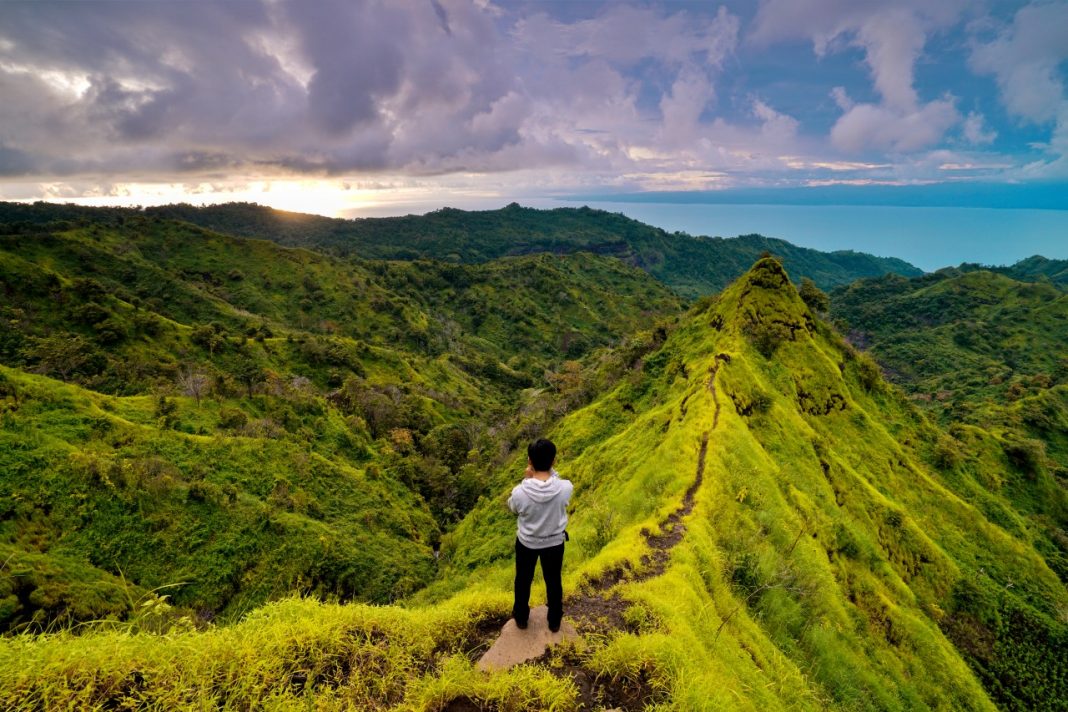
(1025, 59)
(975, 132)
(841, 98)
(893, 37)
(635, 95)
(775, 126)
(868, 127)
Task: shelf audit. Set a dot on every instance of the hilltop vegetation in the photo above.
(957, 338)
(1032, 269)
(236, 421)
(831, 559)
(974, 347)
(692, 266)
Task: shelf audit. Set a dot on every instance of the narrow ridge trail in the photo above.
(596, 609)
(590, 609)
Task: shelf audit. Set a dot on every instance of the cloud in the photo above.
(776, 127)
(868, 127)
(893, 37)
(974, 131)
(631, 94)
(333, 86)
(1025, 59)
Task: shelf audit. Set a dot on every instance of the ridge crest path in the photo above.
(591, 611)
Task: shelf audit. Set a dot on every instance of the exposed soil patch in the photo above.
(604, 691)
(672, 528)
(467, 704)
(596, 613)
(590, 606)
(479, 640)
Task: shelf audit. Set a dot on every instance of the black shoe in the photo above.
(554, 627)
(521, 625)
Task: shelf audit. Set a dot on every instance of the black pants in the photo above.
(552, 562)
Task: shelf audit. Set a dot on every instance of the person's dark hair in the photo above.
(541, 452)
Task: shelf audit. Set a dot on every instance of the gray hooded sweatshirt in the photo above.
(542, 510)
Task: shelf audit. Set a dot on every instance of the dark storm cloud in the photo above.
(14, 162)
(357, 58)
(326, 86)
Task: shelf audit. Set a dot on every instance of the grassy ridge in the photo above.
(832, 559)
(1032, 269)
(868, 562)
(225, 521)
(692, 266)
(985, 353)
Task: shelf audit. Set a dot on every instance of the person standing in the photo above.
(540, 504)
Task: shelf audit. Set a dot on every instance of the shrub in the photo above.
(766, 337)
(845, 543)
(166, 412)
(814, 297)
(761, 402)
(868, 373)
(203, 491)
(605, 526)
(1026, 455)
(745, 572)
(232, 419)
(947, 453)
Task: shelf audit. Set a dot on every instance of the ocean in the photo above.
(929, 238)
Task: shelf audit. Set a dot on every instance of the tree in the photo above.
(60, 354)
(814, 297)
(249, 373)
(211, 337)
(193, 383)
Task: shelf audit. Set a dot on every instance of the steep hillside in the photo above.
(955, 338)
(692, 266)
(237, 421)
(759, 523)
(972, 346)
(131, 286)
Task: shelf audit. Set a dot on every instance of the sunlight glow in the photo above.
(333, 198)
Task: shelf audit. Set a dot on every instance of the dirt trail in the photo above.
(594, 611)
(595, 608)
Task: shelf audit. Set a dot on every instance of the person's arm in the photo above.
(513, 501)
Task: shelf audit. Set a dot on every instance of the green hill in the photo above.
(760, 522)
(236, 420)
(956, 337)
(692, 266)
(1032, 269)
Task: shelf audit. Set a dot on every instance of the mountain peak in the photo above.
(767, 273)
(764, 301)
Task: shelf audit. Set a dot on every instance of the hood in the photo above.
(540, 491)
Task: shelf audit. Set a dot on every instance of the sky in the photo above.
(344, 108)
